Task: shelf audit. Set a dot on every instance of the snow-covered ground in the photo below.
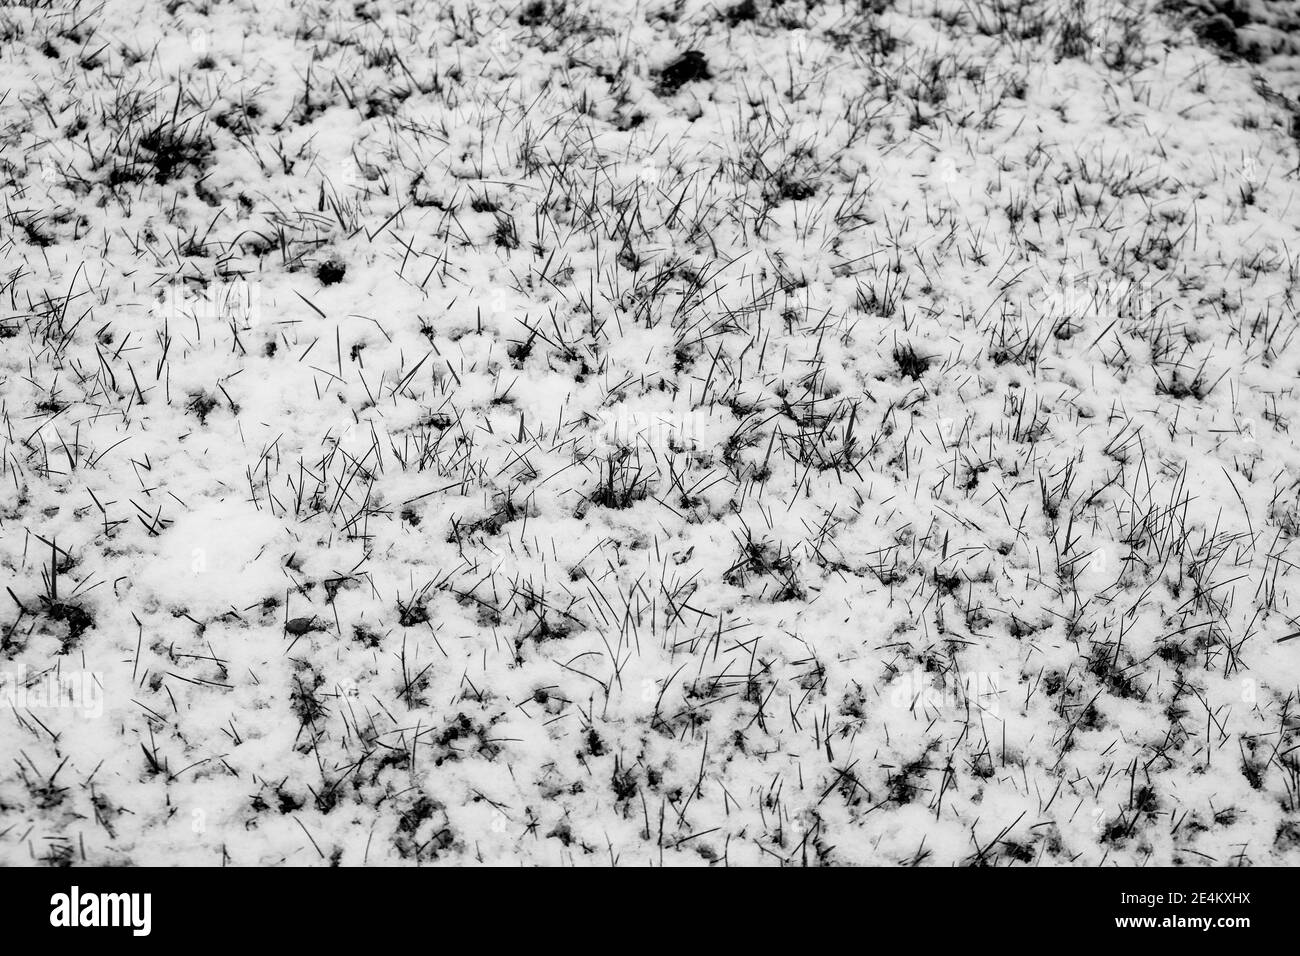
(649, 433)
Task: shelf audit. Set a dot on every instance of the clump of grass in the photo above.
(1218, 31)
(366, 636)
(506, 235)
(535, 13)
(412, 613)
(1177, 384)
(422, 830)
(911, 363)
(202, 404)
(689, 67)
(304, 699)
(331, 271)
(765, 559)
(742, 12)
(1075, 39)
(621, 484)
(172, 148)
(505, 511)
(789, 187)
(64, 610)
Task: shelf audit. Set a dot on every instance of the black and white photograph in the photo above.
(649, 433)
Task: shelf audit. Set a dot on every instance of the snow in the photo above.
(428, 438)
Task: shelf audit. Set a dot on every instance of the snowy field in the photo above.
(659, 433)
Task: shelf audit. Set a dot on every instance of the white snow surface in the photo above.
(441, 437)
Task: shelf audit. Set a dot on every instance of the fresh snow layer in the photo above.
(485, 433)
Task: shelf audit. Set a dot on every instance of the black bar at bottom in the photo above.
(302, 906)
